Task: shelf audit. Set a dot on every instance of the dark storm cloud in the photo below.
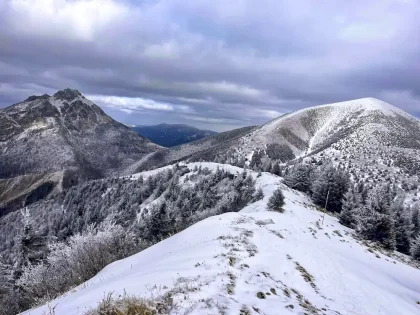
(217, 64)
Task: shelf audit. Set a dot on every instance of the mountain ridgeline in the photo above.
(52, 142)
(108, 193)
(70, 139)
(168, 135)
(371, 139)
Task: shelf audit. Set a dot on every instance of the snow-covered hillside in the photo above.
(312, 129)
(258, 262)
(374, 141)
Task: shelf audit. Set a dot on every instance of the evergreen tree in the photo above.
(330, 183)
(32, 245)
(380, 198)
(352, 200)
(377, 227)
(403, 226)
(160, 188)
(276, 201)
(259, 194)
(178, 205)
(385, 232)
(299, 177)
(366, 222)
(364, 191)
(275, 169)
(12, 299)
(158, 224)
(415, 221)
(268, 166)
(255, 160)
(382, 218)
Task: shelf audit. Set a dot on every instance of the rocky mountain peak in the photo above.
(67, 94)
(62, 134)
(37, 97)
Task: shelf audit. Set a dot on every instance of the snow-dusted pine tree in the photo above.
(158, 223)
(352, 200)
(276, 201)
(255, 162)
(380, 198)
(415, 221)
(275, 169)
(259, 194)
(330, 183)
(32, 245)
(299, 177)
(376, 226)
(402, 225)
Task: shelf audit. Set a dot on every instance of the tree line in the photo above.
(378, 212)
(56, 244)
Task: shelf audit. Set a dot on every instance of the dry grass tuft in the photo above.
(126, 305)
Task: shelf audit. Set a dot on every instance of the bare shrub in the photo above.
(125, 305)
(71, 263)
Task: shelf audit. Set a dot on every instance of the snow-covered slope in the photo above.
(258, 262)
(373, 140)
(318, 128)
(367, 127)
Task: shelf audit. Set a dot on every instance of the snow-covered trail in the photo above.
(261, 262)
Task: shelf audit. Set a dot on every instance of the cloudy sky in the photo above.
(215, 64)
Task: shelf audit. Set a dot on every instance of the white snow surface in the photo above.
(329, 118)
(367, 104)
(218, 266)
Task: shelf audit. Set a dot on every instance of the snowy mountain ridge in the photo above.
(258, 262)
(368, 104)
(311, 127)
(59, 99)
(63, 132)
(374, 141)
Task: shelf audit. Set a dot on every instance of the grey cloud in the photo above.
(232, 63)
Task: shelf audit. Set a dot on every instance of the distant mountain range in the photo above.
(70, 139)
(170, 135)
